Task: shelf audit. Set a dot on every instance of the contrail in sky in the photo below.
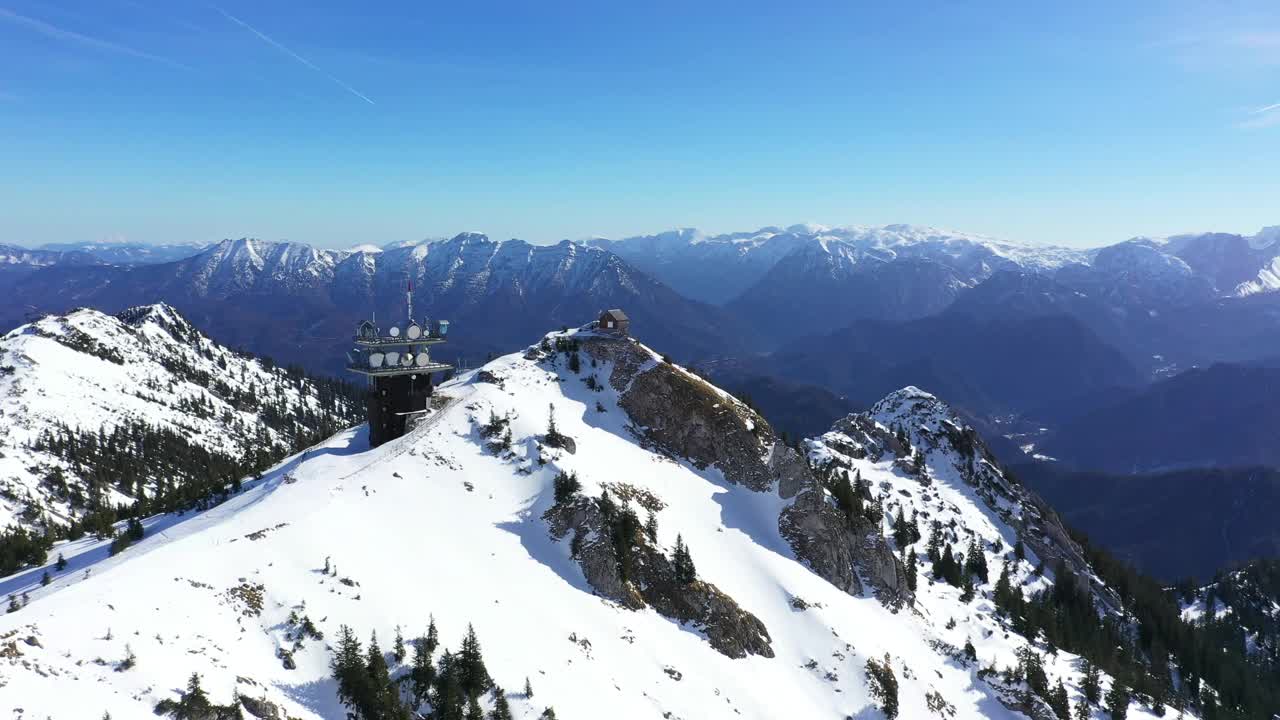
(266, 38)
(1266, 109)
(57, 33)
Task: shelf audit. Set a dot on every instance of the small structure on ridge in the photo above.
(614, 321)
(397, 365)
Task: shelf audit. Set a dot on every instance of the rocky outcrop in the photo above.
(684, 416)
(852, 555)
(652, 580)
(261, 708)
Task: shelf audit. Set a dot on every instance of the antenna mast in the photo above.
(409, 297)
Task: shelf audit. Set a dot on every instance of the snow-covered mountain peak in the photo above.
(146, 372)
(546, 502)
(1266, 237)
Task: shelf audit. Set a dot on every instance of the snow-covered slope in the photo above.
(459, 521)
(91, 374)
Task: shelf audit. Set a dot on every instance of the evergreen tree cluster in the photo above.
(566, 486)
(624, 533)
(448, 688)
(194, 704)
(133, 533)
(853, 498)
(1141, 649)
(21, 548)
(884, 685)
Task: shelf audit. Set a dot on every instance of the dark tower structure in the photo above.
(398, 366)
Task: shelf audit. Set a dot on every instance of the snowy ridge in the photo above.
(91, 372)
(440, 523)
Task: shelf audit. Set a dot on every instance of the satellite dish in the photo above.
(406, 359)
(375, 360)
(393, 358)
(394, 331)
(414, 332)
(423, 359)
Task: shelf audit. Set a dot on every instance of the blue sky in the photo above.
(339, 123)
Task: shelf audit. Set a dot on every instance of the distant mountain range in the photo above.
(805, 278)
(301, 304)
(838, 315)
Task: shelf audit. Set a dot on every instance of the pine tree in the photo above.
(1091, 684)
(1031, 666)
(501, 710)
(348, 669)
(934, 548)
(975, 561)
(422, 672)
(447, 699)
(966, 594)
(473, 705)
(651, 527)
(473, 677)
(946, 568)
(553, 433)
(847, 497)
(686, 573)
(901, 533)
(194, 702)
(884, 686)
(398, 649)
(1004, 591)
(912, 569)
(1117, 702)
(970, 651)
(433, 637)
(1082, 710)
(528, 688)
(566, 486)
(1060, 701)
(1019, 551)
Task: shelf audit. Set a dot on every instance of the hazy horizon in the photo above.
(432, 237)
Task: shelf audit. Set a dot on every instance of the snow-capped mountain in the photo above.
(622, 536)
(720, 268)
(84, 395)
(13, 257)
(298, 303)
(793, 281)
(129, 253)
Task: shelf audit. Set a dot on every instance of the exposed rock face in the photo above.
(686, 417)
(730, 629)
(853, 556)
(261, 708)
